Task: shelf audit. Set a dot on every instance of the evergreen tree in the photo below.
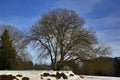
(7, 52)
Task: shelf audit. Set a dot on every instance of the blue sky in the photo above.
(103, 16)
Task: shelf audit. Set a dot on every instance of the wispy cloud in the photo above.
(80, 6)
(107, 22)
(19, 22)
(108, 31)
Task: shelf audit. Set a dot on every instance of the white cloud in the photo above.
(115, 48)
(111, 38)
(80, 6)
(107, 22)
(108, 31)
(19, 22)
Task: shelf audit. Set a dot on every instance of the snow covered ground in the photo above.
(39, 75)
(99, 78)
(48, 75)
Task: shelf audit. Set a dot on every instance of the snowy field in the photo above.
(48, 75)
(99, 78)
(38, 75)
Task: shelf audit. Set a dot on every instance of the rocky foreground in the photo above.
(48, 75)
(38, 75)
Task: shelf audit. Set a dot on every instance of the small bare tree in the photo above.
(101, 50)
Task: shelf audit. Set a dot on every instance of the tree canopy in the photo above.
(61, 35)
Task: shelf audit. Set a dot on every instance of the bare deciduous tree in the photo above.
(102, 50)
(62, 37)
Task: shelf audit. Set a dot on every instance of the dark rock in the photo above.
(71, 75)
(7, 77)
(46, 74)
(19, 75)
(25, 78)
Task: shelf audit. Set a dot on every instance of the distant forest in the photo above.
(103, 66)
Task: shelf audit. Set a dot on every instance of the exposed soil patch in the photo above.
(7, 77)
(25, 78)
(58, 75)
(19, 75)
(11, 77)
(71, 75)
